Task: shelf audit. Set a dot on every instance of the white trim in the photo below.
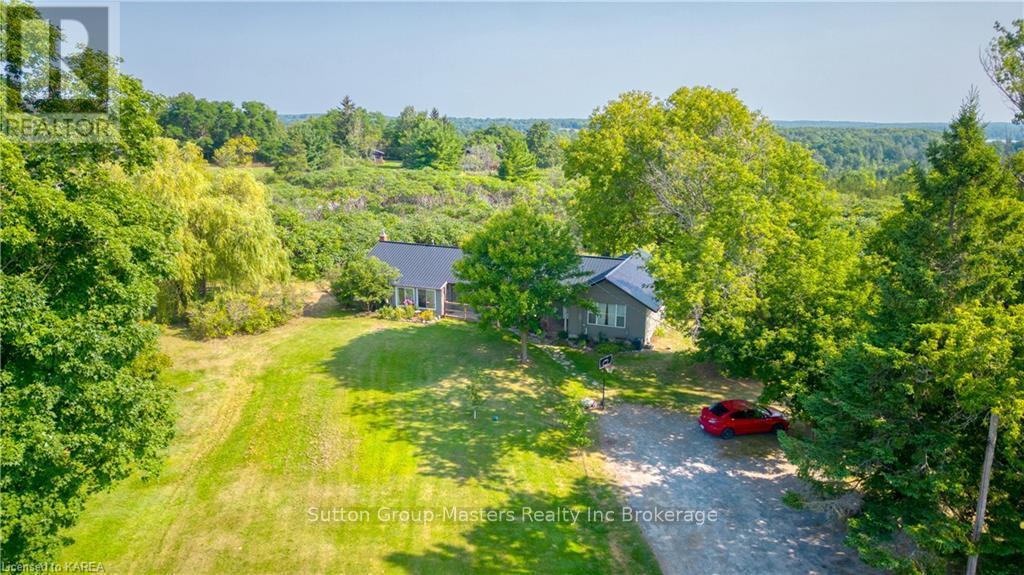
(400, 300)
(433, 298)
(611, 319)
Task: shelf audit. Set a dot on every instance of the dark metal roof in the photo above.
(430, 266)
(596, 267)
(631, 277)
(421, 265)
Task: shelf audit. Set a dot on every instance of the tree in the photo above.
(224, 231)
(748, 248)
(236, 152)
(517, 163)
(1004, 64)
(82, 406)
(210, 124)
(400, 134)
(519, 269)
(544, 145)
(260, 123)
(366, 281)
(315, 137)
(902, 419)
(291, 156)
(435, 144)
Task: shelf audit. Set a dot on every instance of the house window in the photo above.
(609, 314)
(406, 296)
(426, 298)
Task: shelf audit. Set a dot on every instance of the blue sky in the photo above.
(858, 62)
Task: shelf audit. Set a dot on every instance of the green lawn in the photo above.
(355, 413)
(666, 376)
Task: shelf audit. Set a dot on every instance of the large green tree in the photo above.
(748, 249)
(210, 124)
(517, 163)
(355, 130)
(435, 144)
(1004, 63)
(81, 406)
(80, 402)
(519, 269)
(399, 134)
(224, 231)
(544, 145)
(903, 417)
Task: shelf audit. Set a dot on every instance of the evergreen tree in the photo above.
(544, 145)
(435, 144)
(517, 163)
(903, 418)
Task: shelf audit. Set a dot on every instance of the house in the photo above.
(620, 287)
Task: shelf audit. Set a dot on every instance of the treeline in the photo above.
(895, 342)
(467, 125)
(884, 151)
(863, 162)
(233, 136)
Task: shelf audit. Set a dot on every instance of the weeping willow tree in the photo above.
(225, 233)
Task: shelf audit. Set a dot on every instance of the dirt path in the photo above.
(662, 459)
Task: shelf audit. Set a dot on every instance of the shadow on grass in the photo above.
(669, 379)
(414, 381)
(550, 541)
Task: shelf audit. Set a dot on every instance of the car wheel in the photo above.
(778, 427)
(728, 433)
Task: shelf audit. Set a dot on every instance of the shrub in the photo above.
(576, 422)
(659, 331)
(365, 281)
(608, 347)
(230, 312)
(563, 334)
(792, 499)
(399, 313)
(426, 315)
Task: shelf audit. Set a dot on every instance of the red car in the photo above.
(737, 417)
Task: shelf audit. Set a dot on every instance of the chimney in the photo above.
(383, 235)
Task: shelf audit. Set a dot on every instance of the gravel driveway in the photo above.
(663, 460)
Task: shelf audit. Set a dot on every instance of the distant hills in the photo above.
(994, 130)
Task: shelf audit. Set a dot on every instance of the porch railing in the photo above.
(459, 310)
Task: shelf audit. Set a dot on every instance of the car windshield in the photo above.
(719, 409)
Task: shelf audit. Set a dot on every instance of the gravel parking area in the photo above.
(662, 459)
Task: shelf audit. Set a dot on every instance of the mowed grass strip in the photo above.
(278, 430)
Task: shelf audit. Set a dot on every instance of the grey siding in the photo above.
(637, 316)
